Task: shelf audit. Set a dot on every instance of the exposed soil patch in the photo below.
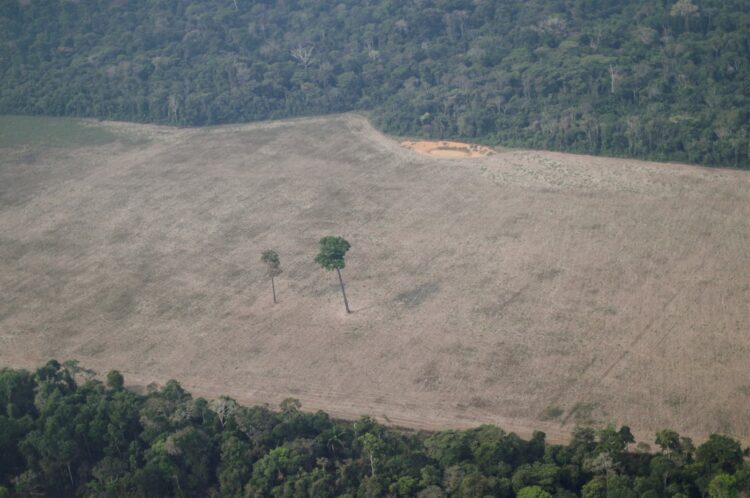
(448, 149)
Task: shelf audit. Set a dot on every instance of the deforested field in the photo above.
(533, 290)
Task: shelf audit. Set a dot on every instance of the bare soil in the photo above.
(447, 149)
(534, 290)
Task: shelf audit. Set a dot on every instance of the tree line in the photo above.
(654, 79)
(64, 433)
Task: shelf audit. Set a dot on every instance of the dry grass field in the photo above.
(528, 289)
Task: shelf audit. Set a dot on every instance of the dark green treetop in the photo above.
(332, 252)
(271, 259)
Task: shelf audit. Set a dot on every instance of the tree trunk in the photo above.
(273, 289)
(341, 281)
(613, 75)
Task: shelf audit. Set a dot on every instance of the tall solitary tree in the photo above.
(271, 259)
(331, 257)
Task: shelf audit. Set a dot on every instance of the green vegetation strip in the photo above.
(62, 438)
(667, 80)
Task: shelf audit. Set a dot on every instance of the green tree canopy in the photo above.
(331, 257)
(272, 262)
(90, 440)
(664, 80)
(332, 252)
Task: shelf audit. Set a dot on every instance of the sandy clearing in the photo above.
(447, 149)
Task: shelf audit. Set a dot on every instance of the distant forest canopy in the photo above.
(62, 438)
(655, 79)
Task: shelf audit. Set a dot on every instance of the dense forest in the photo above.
(60, 437)
(656, 79)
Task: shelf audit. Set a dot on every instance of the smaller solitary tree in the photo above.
(271, 259)
(331, 257)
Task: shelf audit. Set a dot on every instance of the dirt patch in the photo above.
(447, 149)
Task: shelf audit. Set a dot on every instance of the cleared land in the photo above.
(527, 289)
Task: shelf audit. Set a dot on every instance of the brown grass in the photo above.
(506, 289)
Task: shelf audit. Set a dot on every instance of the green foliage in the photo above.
(668, 441)
(372, 445)
(448, 448)
(659, 80)
(115, 380)
(723, 486)
(59, 438)
(534, 492)
(543, 475)
(621, 487)
(595, 488)
(235, 468)
(272, 261)
(719, 454)
(332, 252)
